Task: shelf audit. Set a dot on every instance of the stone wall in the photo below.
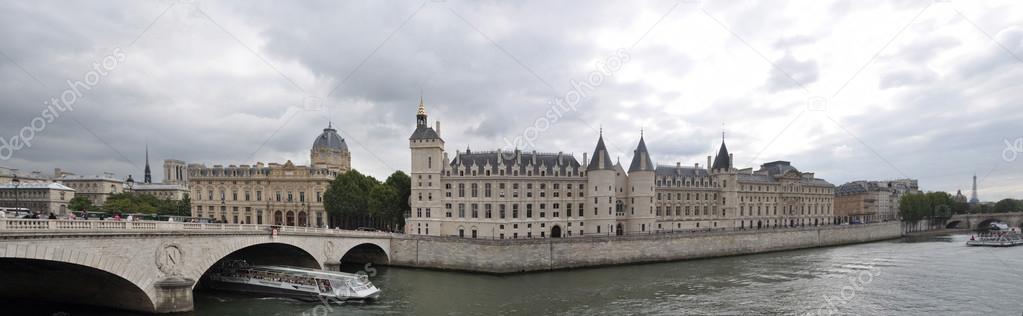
(509, 256)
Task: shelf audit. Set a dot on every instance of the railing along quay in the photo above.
(78, 226)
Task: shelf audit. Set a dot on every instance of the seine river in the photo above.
(927, 276)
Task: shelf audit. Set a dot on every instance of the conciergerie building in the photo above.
(517, 194)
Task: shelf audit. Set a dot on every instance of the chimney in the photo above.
(559, 158)
(585, 162)
(436, 127)
(534, 156)
(697, 165)
(708, 163)
(731, 160)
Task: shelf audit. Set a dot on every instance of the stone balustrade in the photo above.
(77, 226)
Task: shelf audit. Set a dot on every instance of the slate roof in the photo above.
(723, 160)
(424, 132)
(549, 162)
(676, 171)
(330, 139)
(641, 158)
(601, 159)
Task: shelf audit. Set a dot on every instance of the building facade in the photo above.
(872, 201)
(162, 191)
(280, 194)
(515, 194)
(43, 198)
(95, 188)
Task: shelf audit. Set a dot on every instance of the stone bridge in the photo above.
(982, 220)
(154, 266)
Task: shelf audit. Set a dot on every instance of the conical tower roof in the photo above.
(641, 158)
(723, 160)
(601, 159)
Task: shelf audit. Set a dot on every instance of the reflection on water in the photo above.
(934, 275)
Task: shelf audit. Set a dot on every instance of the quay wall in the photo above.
(511, 256)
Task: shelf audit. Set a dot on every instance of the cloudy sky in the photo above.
(847, 89)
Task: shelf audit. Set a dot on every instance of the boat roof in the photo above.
(314, 272)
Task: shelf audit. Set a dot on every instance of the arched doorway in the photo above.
(303, 219)
(556, 231)
(290, 218)
(278, 218)
(619, 230)
(760, 224)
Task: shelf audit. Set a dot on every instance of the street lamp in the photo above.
(17, 202)
(131, 189)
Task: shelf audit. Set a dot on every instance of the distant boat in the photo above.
(293, 282)
(998, 226)
(999, 237)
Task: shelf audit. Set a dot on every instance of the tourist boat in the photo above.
(1005, 238)
(294, 282)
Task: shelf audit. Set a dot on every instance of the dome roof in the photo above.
(330, 139)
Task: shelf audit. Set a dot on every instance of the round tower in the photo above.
(641, 217)
(600, 192)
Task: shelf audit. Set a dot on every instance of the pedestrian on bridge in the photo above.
(52, 216)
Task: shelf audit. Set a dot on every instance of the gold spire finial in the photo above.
(422, 108)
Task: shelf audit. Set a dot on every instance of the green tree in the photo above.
(184, 206)
(81, 204)
(346, 199)
(383, 203)
(1006, 205)
(402, 183)
(129, 203)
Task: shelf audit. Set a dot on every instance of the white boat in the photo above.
(1005, 238)
(299, 283)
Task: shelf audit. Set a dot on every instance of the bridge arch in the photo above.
(357, 257)
(954, 224)
(265, 253)
(67, 282)
(987, 223)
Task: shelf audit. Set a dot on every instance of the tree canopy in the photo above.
(917, 206)
(146, 204)
(1008, 205)
(357, 200)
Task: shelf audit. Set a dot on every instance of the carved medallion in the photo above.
(329, 249)
(169, 258)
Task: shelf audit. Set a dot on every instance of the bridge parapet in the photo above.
(78, 226)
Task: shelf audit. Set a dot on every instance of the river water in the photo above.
(927, 276)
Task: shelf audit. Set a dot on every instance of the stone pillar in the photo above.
(332, 266)
(173, 295)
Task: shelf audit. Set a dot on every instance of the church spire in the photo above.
(149, 176)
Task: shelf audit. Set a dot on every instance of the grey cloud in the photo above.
(790, 73)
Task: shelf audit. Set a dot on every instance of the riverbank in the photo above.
(514, 256)
(938, 232)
